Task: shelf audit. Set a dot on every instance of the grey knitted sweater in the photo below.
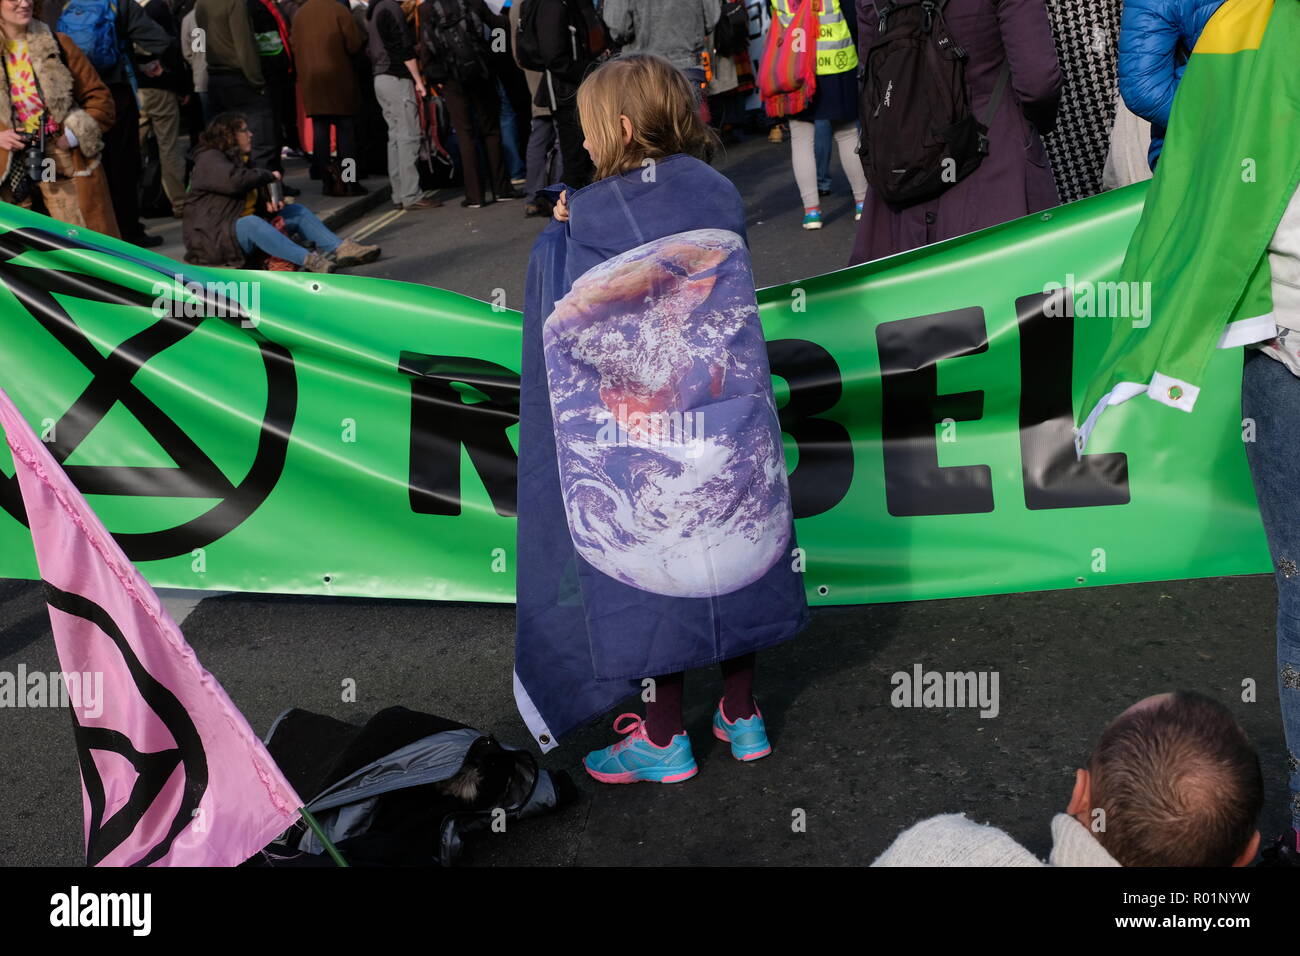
(952, 840)
(674, 29)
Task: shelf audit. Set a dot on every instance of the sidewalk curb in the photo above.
(350, 212)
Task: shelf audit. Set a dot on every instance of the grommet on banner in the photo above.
(823, 590)
(315, 287)
(1046, 216)
(1175, 392)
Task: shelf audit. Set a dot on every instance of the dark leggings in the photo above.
(663, 715)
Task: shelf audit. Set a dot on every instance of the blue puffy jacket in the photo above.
(1155, 39)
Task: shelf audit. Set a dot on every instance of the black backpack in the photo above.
(731, 35)
(588, 39)
(457, 42)
(918, 135)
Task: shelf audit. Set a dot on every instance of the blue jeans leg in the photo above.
(510, 144)
(303, 221)
(1270, 400)
(254, 232)
(822, 153)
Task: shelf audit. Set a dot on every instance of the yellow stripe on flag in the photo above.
(1237, 25)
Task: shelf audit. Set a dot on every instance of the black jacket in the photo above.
(566, 60)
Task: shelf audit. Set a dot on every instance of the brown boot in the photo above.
(352, 253)
(318, 263)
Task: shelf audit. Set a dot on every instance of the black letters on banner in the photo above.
(825, 470)
(1055, 477)
(910, 352)
(441, 422)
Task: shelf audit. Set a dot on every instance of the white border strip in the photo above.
(542, 735)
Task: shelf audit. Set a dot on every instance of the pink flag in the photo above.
(171, 773)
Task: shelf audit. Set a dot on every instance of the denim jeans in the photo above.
(510, 144)
(1270, 397)
(541, 141)
(255, 232)
(822, 153)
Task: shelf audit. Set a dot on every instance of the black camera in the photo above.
(33, 157)
(27, 172)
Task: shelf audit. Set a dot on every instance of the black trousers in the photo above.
(230, 92)
(347, 140)
(121, 161)
(482, 99)
(578, 170)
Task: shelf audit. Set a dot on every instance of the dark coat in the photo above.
(1015, 178)
(584, 638)
(219, 188)
(325, 40)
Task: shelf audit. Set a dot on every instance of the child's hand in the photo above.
(561, 210)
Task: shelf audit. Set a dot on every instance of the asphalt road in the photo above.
(857, 767)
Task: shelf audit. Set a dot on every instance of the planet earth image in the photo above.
(667, 438)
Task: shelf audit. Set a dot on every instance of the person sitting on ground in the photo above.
(226, 215)
(1174, 781)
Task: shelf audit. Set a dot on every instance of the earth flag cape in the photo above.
(172, 775)
(655, 526)
(1230, 165)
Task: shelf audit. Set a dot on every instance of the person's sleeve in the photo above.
(144, 31)
(353, 40)
(230, 179)
(397, 41)
(1031, 54)
(617, 15)
(241, 32)
(1148, 63)
(712, 14)
(94, 112)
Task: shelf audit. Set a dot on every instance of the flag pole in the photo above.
(330, 848)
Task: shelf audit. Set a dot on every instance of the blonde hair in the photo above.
(659, 101)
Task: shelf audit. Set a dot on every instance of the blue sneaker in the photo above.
(636, 757)
(748, 738)
(857, 210)
(812, 218)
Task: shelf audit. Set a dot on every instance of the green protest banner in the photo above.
(327, 434)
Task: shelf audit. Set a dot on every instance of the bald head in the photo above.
(1179, 783)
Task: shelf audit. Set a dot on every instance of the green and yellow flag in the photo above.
(1198, 257)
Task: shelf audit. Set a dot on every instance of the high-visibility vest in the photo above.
(835, 51)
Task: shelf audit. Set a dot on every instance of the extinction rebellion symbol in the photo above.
(196, 475)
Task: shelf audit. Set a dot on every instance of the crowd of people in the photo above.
(374, 87)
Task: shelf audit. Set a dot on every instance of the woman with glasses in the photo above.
(54, 111)
(229, 211)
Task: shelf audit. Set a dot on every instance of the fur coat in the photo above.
(78, 101)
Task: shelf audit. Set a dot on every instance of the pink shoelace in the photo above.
(635, 731)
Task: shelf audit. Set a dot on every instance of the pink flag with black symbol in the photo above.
(171, 772)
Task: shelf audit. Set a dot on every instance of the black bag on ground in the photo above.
(918, 135)
(404, 789)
